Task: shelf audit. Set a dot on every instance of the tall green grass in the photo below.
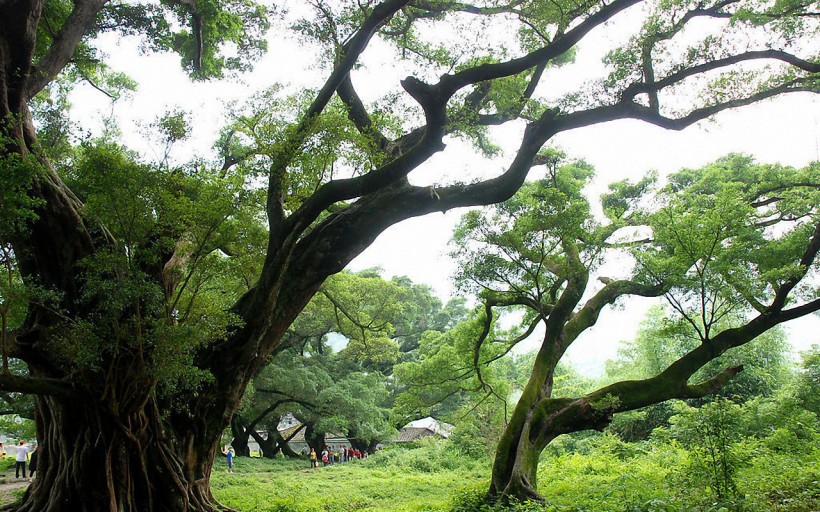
(423, 477)
(599, 474)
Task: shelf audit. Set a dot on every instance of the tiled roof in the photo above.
(408, 434)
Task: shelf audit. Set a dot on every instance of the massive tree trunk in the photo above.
(516, 459)
(267, 446)
(515, 467)
(93, 459)
(275, 444)
(314, 438)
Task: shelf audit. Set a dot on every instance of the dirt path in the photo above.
(10, 486)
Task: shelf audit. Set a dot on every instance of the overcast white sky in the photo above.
(785, 130)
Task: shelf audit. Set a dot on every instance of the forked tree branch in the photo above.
(588, 315)
(352, 50)
(675, 78)
(64, 44)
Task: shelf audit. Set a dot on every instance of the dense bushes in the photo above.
(761, 455)
(775, 466)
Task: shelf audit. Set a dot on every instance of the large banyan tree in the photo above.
(133, 294)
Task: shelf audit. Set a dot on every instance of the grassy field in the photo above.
(381, 483)
(604, 475)
(779, 473)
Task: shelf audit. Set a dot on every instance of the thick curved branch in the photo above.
(612, 291)
(552, 122)
(799, 311)
(272, 407)
(350, 317)
(433, 99)
(35, 386)
(653, 39)
(597, 409)
(710, 386)
(370, 215)
(357, 113)
(450, 84)
(445, 7)
(645, 114)
(64, 44)
(503, 117)
(488, 318)
(675, 78)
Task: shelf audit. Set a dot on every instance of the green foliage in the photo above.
(18, 207)
(56, 133)
(342, 346)
(259, 134)
(808, 380)
(421, 312)
(770, 25)
(504, 248)
(364, 307)
(478, 428)
(709, 433)
(152, 214)
(428, 455)
(442, 377)
(715, 240)
(475, 500)
(212, 37)
(320, 391)
(17, 427)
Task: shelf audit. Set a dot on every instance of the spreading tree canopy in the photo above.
(732, 247)
(146, 313)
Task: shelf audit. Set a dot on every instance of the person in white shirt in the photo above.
(22, 458)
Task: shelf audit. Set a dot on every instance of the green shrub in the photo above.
(427, 455)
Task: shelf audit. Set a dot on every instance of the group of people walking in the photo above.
(330, 456)
(23, 455)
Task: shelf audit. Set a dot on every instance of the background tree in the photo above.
(711, 250)
(321, 392)
(808, 380)
(343, 347)
(106, 352)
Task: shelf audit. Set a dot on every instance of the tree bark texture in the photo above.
(240, 437)
(92, 460)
